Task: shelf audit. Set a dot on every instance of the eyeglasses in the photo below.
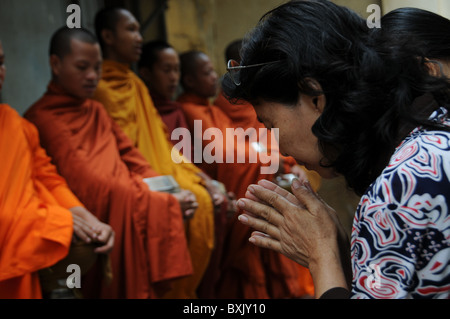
(234, 67)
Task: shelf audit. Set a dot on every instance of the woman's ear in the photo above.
(433, 67)
(319, 100)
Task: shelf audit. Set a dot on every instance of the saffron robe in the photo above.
(173, 117)
(171, 113)
(128, 101)
(106, 172)
(248, 271)
(243, 115)
(36, 226)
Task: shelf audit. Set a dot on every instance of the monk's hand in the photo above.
(232, 208)
(217, 195)
(90, 230)
(188, 203)
(299, 225)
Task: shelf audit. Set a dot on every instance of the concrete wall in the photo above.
(441, 7)
(26, 27)
(210, 25)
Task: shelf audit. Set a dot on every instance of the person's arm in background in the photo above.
(86, 226)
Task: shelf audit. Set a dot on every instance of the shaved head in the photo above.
(150, 52)
(189, 62)
(60, 44)
(107, 18)
(197, 74)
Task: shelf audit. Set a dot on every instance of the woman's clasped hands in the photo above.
(299, 225)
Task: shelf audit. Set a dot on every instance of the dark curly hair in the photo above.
(369, 91)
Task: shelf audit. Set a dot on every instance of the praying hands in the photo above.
(301, 226)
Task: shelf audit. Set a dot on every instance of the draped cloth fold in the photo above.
(248, 271)
(127, 100)
(35, 224)
(106, 172)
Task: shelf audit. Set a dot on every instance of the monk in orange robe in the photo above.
(243, 115)
(127, 100)
(159, 68)
(39, 214)
(249, 272)
(106, 172)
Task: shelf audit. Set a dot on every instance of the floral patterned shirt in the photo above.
(401, 230)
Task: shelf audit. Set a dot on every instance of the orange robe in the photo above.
(127, 100)
(248, 271)
(106, 172)
(35, 226)
(243, 115)
(173, 117)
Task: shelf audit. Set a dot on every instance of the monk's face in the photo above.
(79, 71)
(164, 76)
(205, 80)
(126, 40)
(2, 67)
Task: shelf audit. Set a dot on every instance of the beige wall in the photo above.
(441, 7)
(210, 25)
(359, 6)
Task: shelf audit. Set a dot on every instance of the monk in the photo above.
(127, 100)
(159, 68)
(248, 272)
(40, 216)
(106, 172)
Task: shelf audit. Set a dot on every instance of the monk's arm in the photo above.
(46, 173)
(86, 226)
(130, 155)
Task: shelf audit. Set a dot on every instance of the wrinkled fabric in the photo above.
(36, 226)
(106, 172)
(127, 100)
(248, 271)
